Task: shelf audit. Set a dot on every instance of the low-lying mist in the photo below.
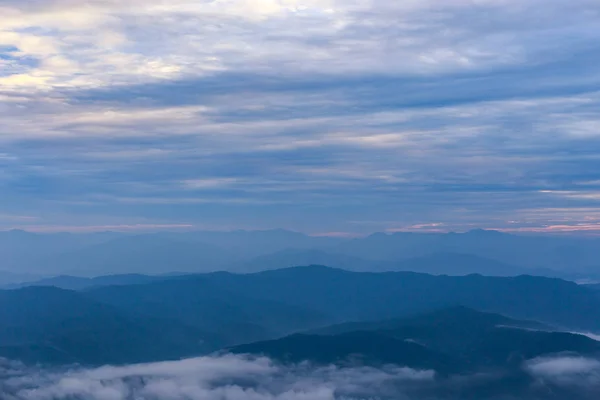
(232, 377)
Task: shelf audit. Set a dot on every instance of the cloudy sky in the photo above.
(347, 116)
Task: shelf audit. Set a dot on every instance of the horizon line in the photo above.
(558, 230)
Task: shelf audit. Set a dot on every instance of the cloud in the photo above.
(223, 377)
(567, 371)
(235, 377)
(97, 43)
(307, 112)
(227, 376)
(588, 334)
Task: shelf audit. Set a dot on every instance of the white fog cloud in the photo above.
(566, 370)
(206, 378)
(233, 377)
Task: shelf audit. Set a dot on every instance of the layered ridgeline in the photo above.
(138, 323)
(28, 256)
(181, 316)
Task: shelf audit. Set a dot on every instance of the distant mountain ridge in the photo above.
(478, 251)
(436, 264)
(554, 252)
(79, 283)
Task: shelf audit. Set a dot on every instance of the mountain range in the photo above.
(196, 314)
(29, 257)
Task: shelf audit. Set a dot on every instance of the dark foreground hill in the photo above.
(137, 323)
(457, 340)
(50, 325)
(360, 347)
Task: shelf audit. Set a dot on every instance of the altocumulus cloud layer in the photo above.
(301, 114)
(240, 378)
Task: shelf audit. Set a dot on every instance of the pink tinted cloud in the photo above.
(560, 228)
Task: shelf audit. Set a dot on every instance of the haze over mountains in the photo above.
(443, 332)
(478, 315)
(27, 256)
(430, 314)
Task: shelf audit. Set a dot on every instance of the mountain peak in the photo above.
(305, 269)
(481, 232)
(19, 232)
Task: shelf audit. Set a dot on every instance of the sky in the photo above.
(322, 116)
